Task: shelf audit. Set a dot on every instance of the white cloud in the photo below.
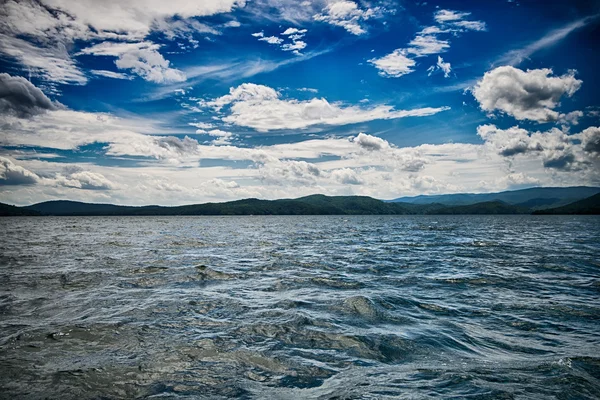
(295, 46)
(168, 148)
(556, 149)
(12, 174)
(261, 107)
(51, 63)
(222, 137)
(292, 34)
(471, 25)
(570, 118)
(110, 74)
(446, 68)
(232, 24)
(426, 42)
(271, 39)
(67, 129)
(532, 94)
(369, 142)
(132, 20)
(508, 142)
(346, 176)
(590, 140)
(444, 16)
(348, 15)
(394, 64)
(77, 177)
(455, 20)
(517, 56)
(288, 172)
(294, 31)
(424, 45)
(202, 125)
(384, 171)
(39, 34)
(141, 58)
(517, 180)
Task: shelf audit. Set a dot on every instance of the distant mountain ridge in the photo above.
(590, 205)
(324, 205)
(534, 198)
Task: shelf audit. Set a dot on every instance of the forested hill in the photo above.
(309, 205)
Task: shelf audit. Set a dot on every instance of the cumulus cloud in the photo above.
(262, 108)
(295, 46)
(77, 177)
(222, 137)
(21, 97)
(348, 15)
(517, 180)
(71, 176)
(557, 149)
(287, 172)
(525, 95)
(395, 64)
(370, 142)
(590, 140)
(346, 176)
(508, 142)
(12, 174)
(141, 58)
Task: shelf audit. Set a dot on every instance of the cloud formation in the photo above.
(445, 67)
(39, 34)
(291, 35)
(348, 15)
(12, 174)
(142, 58)
(21, 97)
(395, 64)
(262, 108)
(427, 42)
(557, 149)
(526, 95)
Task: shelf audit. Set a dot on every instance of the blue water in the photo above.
(302, 307)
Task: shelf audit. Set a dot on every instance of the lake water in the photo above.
(300, 307)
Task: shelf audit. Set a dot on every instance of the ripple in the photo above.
(300, 307)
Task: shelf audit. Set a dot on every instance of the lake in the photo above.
(300, 307)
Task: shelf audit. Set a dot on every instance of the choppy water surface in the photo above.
(300, 307)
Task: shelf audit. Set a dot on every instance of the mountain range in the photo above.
(574, 200)
(532, 198)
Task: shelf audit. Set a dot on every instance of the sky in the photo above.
(152, 102)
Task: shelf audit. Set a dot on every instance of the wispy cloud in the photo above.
(230, 71)
(517, 56)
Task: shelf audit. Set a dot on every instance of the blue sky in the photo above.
(179, 102)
